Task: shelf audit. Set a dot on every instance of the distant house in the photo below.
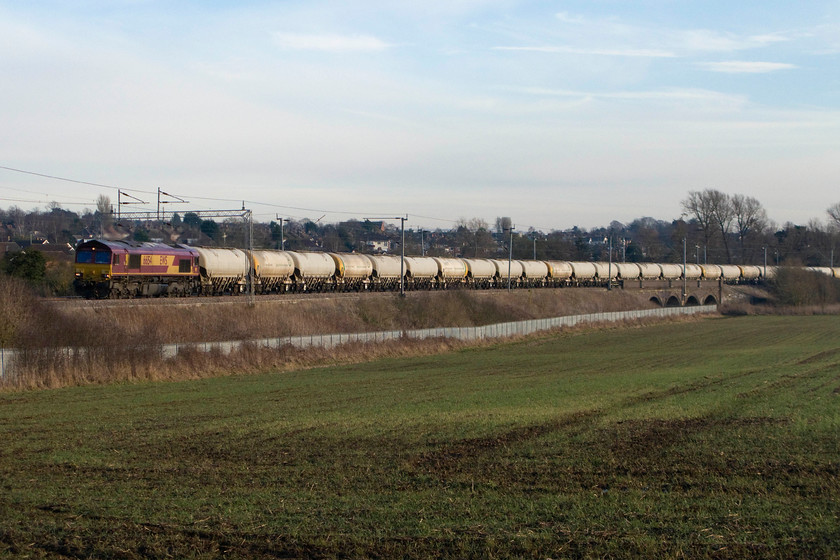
(379, 246)
(7, 231)
(53, 251)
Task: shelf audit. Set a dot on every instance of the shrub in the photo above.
(17, 309)
(800, 287)
(29, 265)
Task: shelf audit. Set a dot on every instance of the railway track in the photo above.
(239, 300)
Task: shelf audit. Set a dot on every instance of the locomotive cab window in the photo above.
(84, 257)
(102, 257)
(116, 259)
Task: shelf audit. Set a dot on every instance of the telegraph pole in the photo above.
(402, 255)
(282, 237)
(403, 220)
(510, 253)
(251, 272)
(685, 286)
(765, 263)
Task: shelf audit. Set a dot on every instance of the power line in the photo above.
(29, 191)
(71, 180)
(45, 202)
(253, 202)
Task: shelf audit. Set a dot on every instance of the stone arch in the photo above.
(692, 301)
(656, 300)
(673, 301)
(710, 300)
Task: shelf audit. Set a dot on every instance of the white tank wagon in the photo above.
(605, 272)
(481, 272)
(711, 271)
(671, 271)
(559, 273)
(451, 272)
(730, 273)
(386, 271)
(828, 271)
(223, 270)
(584, 273)
(352, 271)
(502, 270)
(650, 271)
(628, 271)
(421, 272)
(693, 272)
(750, 273)
(534, 273)
(273, 270)
(313, 271)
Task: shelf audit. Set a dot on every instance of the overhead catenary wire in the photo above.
(57, 178)
(44, 194)
(63, 203)
(206, 198)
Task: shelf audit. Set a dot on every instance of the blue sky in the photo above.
(554, 113)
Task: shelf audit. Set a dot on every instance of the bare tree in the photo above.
(750, 218)
(700, 206)
(104, 209)
(723, 216)
(473, 236)
(834, 213)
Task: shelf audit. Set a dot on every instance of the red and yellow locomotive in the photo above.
(130, 269)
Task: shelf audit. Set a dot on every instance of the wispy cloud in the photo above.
(644, 53)
(706, 40)
(682, 95)
(745, 67)
(329, 42)
(609, 36)
(566, 17)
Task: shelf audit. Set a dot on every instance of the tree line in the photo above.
(714, 227)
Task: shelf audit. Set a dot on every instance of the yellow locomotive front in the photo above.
(93, 268)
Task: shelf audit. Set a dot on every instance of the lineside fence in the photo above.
(499, 330)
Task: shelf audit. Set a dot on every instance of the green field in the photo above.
(713, 438)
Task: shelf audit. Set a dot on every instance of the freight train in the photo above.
(121, 269)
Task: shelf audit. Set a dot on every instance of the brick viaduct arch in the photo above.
(670, 293)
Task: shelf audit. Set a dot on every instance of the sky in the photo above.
(557, 114)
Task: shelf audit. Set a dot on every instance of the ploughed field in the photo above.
(715, 438)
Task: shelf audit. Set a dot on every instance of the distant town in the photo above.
(714, 228)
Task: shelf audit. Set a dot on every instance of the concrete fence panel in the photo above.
(500, 330)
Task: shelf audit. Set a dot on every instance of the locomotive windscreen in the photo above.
(93, 257)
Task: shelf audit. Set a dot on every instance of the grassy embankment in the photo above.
(715, 438)
(123, 343)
